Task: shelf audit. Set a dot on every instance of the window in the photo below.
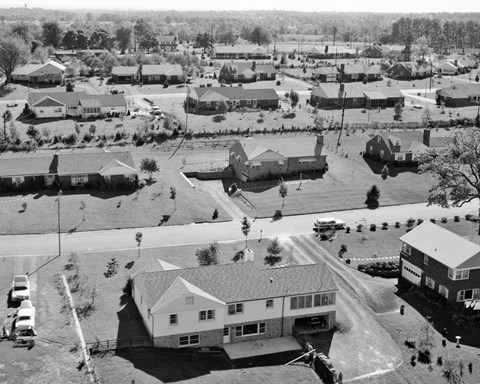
(468, 294)
(458, 274)
(17, 180)
(429, 282)
(379, 139)
(406, 249)
(233, 309)
(250, 329)
(189, 300)
(79, 179)
(226, 331)
(206, 315)
(425, 259)
(443, 291)
(269, 303)
(280, 162)
(317, 300)
(173, 319)
(188, 340)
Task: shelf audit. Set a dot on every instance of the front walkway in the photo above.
(261, 347)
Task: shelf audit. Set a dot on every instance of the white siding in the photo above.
(49, 112)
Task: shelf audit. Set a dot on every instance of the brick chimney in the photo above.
(342, 87)
(426, 137)
(342, 67)
(254, 66)
(320, 139)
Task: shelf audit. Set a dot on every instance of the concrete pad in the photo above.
(261, 347)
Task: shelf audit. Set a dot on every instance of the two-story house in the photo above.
(231, 303)
(167, 43)
(255, 159)
(447, 263)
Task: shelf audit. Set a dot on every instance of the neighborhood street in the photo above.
(124, 239)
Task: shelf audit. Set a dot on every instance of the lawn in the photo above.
(344, 186)
(125, 209)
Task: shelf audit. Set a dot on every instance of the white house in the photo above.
(50, 72)
(231, 303)
(446, 68)
(63, 104)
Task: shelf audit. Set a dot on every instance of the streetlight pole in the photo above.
(59, 229)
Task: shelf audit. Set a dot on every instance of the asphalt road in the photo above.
(153, 237)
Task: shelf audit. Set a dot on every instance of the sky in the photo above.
(404, 6)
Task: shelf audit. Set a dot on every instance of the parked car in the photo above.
(25, 319)
(20, 288)
(7, 327)
(156, 111)
(328, 223)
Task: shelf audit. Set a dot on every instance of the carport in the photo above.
(375, 99)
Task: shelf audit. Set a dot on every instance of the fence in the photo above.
(106, 346)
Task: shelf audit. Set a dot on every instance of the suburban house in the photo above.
(48, 73)
(460, 95)
(232, 303)
(409, 71)
(329, 52)
(402, 147)
(358, 72)
(246, 71)
(432, 256)
(240, 51)
(447, 69)
(376, 51)
(75, 104)
(154, 73)
(167, 43)
(254, 159)
(325, 74)
(66, 169)
(234, 97)
(464, 63)
(354, 96)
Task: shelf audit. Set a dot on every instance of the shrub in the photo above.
(410, 222)
(347, 230)
(384, 225)
(468, 217)
(87, 137)
(419, 221)
(456, 219)
(278, 82)
(397, 224)
(373, 227)
(443, 220)
(433, 221)
(359, 227)
(289, 115)
(139, 142)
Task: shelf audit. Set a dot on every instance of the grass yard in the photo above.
(107, 210)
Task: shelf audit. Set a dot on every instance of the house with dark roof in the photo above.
(376, 51)
(68, 169)
(49, 73)
(255, 159)
(207, 98)
(245, 71)
(409, 71)
(149, 74)
(73, 104)
(459, 95)
(167, 43)
(232, 303)
(239, 51)
(448, 264)
(325, 74)
(403, 147)
(329, 52)
(358, 72)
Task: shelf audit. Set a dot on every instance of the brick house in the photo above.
(167, 43)
(325, 74)
(231, 303)
(409, 71)
(255, 159)
(402, 147)
(207, 98)
(149, 74)
(358, 72)
(436, 258)
(376, 51)
(48, 73)
(240, 51)
(329, 52)
(460, 95)
(75, 104)
(68, 169)
(244, 71)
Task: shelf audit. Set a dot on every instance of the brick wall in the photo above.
(210, 338)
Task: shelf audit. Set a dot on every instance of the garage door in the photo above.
(411, 272)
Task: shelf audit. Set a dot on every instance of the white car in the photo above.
(328, 222)
(156, 111)
(20, 288)
(25, 320)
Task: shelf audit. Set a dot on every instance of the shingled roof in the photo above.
(237, 282)
(291, 147)
(74, 98)
(236, 93)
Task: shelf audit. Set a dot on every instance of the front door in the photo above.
(254, 103)
(226, 335)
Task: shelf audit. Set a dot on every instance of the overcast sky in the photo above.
(407, 6)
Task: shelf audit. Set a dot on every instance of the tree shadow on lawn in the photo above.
(377, 167)
(166, 364)
(441, 318)
(6, 89)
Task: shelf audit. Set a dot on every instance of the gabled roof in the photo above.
(162, 69)
(167, 38)
(180, 288)
(374, 95)
(326, 71)
(447, 64)
(33, 164)
(291, 147)
(90, 103)
(73, 98)
(248, 67)
(332, 91)
(237, 282)
(116, 167)
(237, 93)
(444, 246)
(70, 163)
(156, 266)
(241, 48)
(125, 71)
(49, 102)
(461, 91)
(26, 70)
(408, 140)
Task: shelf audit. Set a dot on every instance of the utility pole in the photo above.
(341, 124)
(59, 229)
(334, 34)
